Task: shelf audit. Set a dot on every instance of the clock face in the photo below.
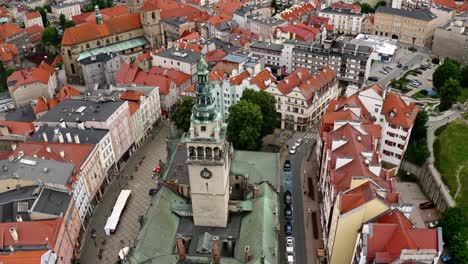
(206, 173)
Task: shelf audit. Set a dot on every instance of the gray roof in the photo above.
(177, 21)
(335, 10)
(180, 55)
(103, 57)
(23, 114)
(267, 46)
(63, 5)
(30, 169)
(9, 203)
(268, 21)
(244, 10)
(93, 111)
(235, 58)
(416, 14)
(86, 136)
(52, 202)
(226, 46)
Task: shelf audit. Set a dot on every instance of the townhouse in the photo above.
(178, 59)
(111, 115)
(302, 97)
(9, 55)
(29, 84)
(346, 19)
(33, 18)
(67, 9)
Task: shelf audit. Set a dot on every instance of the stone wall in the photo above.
(431, 183)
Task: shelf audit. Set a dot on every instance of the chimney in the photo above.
(181, 247)
(215, 250)
(77, 139)
(246, 254)
(69, 138)
(14, 234)
(62, 153)
(60, 137)
(48, 149)
(256, 192)
(44, 135)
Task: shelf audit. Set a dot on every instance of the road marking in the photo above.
(310, 135)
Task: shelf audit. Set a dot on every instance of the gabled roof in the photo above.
(237, 80)
(392, 232)
(17, 128)
(216, 75)
(66, 92)
(132, 95)
(361, 195)
(218, 19)
(215, 55)
(175, 76)
(300, 31)
(446, 3)
(7, 52)
(227, 6)
(32, 15)
(9, 29)
(31, 233)
(263, 79)
(106, 14)
(376, 87)
(91, 30)
(133, 107)
(398, 112)
(39, 74)
(127, 73)
(23, 257)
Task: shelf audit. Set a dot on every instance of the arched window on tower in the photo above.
(192, 153)
(208, 153)
(200, 152)
(153, 15)
(217, 153)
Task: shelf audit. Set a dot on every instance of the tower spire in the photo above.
(205, 109)
(98, 15)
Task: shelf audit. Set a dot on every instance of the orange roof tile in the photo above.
(23, 257)
(215, 20)
(126, 74)
(32, 233)
(41, 106)
(216, 75)
(376, 87)
(446, 3)
(8, 30)
(66, 92)
(215, 55)
(106, 14)
(237, 80)
(133, 107)
(398, 112)
(91, 30)
(150, 5)
(341, 5)
(175, 76)
(227, 6)
(463, 8)
(18, 128)
(7, 51)
(74, 153)
(263, 79)
(359, 196)
(131, 95)
(33, 15)
(199, 16)
(27, 76)
(181, 11)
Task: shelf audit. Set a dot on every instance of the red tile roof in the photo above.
(308, 84)
(7, 30)
(198, 16)
(215, 20)
(131, 95)
(66, 92)
(126, 74)
(39, 74)
(175, 76)
(297, 11)
(237, 80)
(23, 257)
(341, 5)
(215, 55)
(33, 15)
(150, 5)
(463, 8)
(318, 21)
(7, 52)
(216, 75)
(181, 11)
(106, 14)
(398, 112)
(91, 30)
(133, 107)
(446, 3)
(376, 87)
(359, 196)
(73, 153)
(300, 31)
(263, 79)
(392, 232)
(186, 45)
(17, 128)
(34, 33)
(227, 6)
(31, 233)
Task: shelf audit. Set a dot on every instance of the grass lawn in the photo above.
(463, 96)
(451, 152)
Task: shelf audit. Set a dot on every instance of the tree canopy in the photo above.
(181, 116)
(464, 77)
(449, 93)
(417, 151)
(65, 23)
(266, 102)
(455, 232)
(43, 12)
(100, 3)
(50, 37)
(244, 125)
(448, 69)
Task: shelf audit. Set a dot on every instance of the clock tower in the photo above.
(208, 156)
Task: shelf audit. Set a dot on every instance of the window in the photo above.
(73, 68)
(203, 128)
(153, 15)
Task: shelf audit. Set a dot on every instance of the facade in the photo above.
(450, 40)
(67, 9)
(392, 237)
(264, 27)
(12, 34)
(174, 27)
(29, 84)
(33, 18)
(127, 34)
(345, 20)
(272, 53)
(111, 115)
(350, 62)
(100, 69)
(414, 27)
(302, 97)
(178, 59)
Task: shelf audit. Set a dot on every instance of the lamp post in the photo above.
(308, 216)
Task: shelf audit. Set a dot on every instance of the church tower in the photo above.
(134, 5)
(208, 157)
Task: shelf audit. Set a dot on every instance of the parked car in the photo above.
(152, 192)
(290, 245)
(388, 68)
(373, 79)
(446, 259)
(427, 205)
(383, 71)
(414, 84)
(288, 228)
(298, 142)
(405, 68)
(418, 71)
(287, 197)
(400, 65)
(287, 165)
(288, 212)
(290, 259)
(293, 150)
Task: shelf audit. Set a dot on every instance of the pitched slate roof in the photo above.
(415, 14)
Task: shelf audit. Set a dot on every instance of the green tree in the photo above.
(417, 151)
(448, 69)
(244, 125)
(365, 8)
(274, 4)
(455, 232)
(464, 77)
(43, 13)
(380, 3)
(50, 36)
(181, 117)
(267, 105)
(449, 93)
(48, 8)
(64, 22)
(419, 131)
(100, 3)
(4, 74)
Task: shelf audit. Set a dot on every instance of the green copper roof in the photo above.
(113, 48)
(258, 228)
(157, 236)
(259, 166)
